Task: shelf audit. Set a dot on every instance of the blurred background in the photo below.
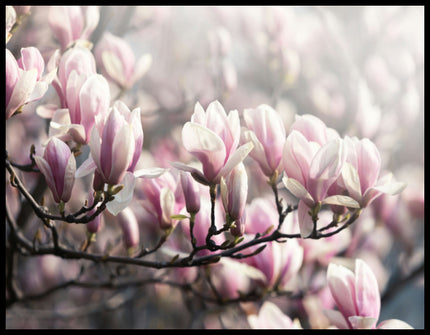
(359, 69)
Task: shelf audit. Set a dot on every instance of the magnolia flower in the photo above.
(117, 61)
(191, 192)
(24, 80)
(162, 198)
(271, 317)
(360, 175)
(267, 132)
(73, 23)
(212, 137)
(313, 129)
(113, 151)
(79, 60)
(129, 227)
(310, 171)
(87, 102)
(234, 191)
(58, 165)
(357, 298)
(279, 262)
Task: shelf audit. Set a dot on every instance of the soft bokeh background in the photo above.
(359, 69)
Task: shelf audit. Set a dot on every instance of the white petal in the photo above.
(87, 167)
(362, 322)
(391, 188)
(237, 157)
(167, 203)
(351, 180)
(113, 66)
(298, 190)
(149, 172)
(123, 197)
(341, 200)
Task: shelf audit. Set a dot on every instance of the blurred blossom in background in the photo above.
(359, 69)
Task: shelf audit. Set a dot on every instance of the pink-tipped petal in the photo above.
(366, 291)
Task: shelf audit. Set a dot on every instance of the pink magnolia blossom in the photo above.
(361, 173)
(78, 59)
(234, 192)
(270, 316)
(310, 170)
(162, 198)
(261, 216)
(191, 192)
(58, 165)
(129, 227)
(279, 262)
(83, 93)
(24, 80)
(117, 61)
(267, 132)
(230, 277)
(357, 297)
(313, 129)
(73, 23)
(113, 151)
(212, 137)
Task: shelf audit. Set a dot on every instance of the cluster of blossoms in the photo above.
(253, 202)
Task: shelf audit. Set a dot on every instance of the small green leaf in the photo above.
(179, 217)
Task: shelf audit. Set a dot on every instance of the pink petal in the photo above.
(69, 178)
(366, 291)
(22, 91)
(341, 282)
(44, 167)
(325, 168)
(122, 153)
(368, 163)
(336, 318)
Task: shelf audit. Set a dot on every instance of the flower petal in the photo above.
(87, 167)
(362, 322)
(306, 224)
(237, 157)
(341, 200)
(336, 318)
(44, 167)
(69, 178)
(122, 198)
(366, 291)
(351, 181)
(298, 190)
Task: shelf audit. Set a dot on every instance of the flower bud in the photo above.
(191, 192)
(234, 191)
(130, 228)
(113, 151)
(267, 132)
